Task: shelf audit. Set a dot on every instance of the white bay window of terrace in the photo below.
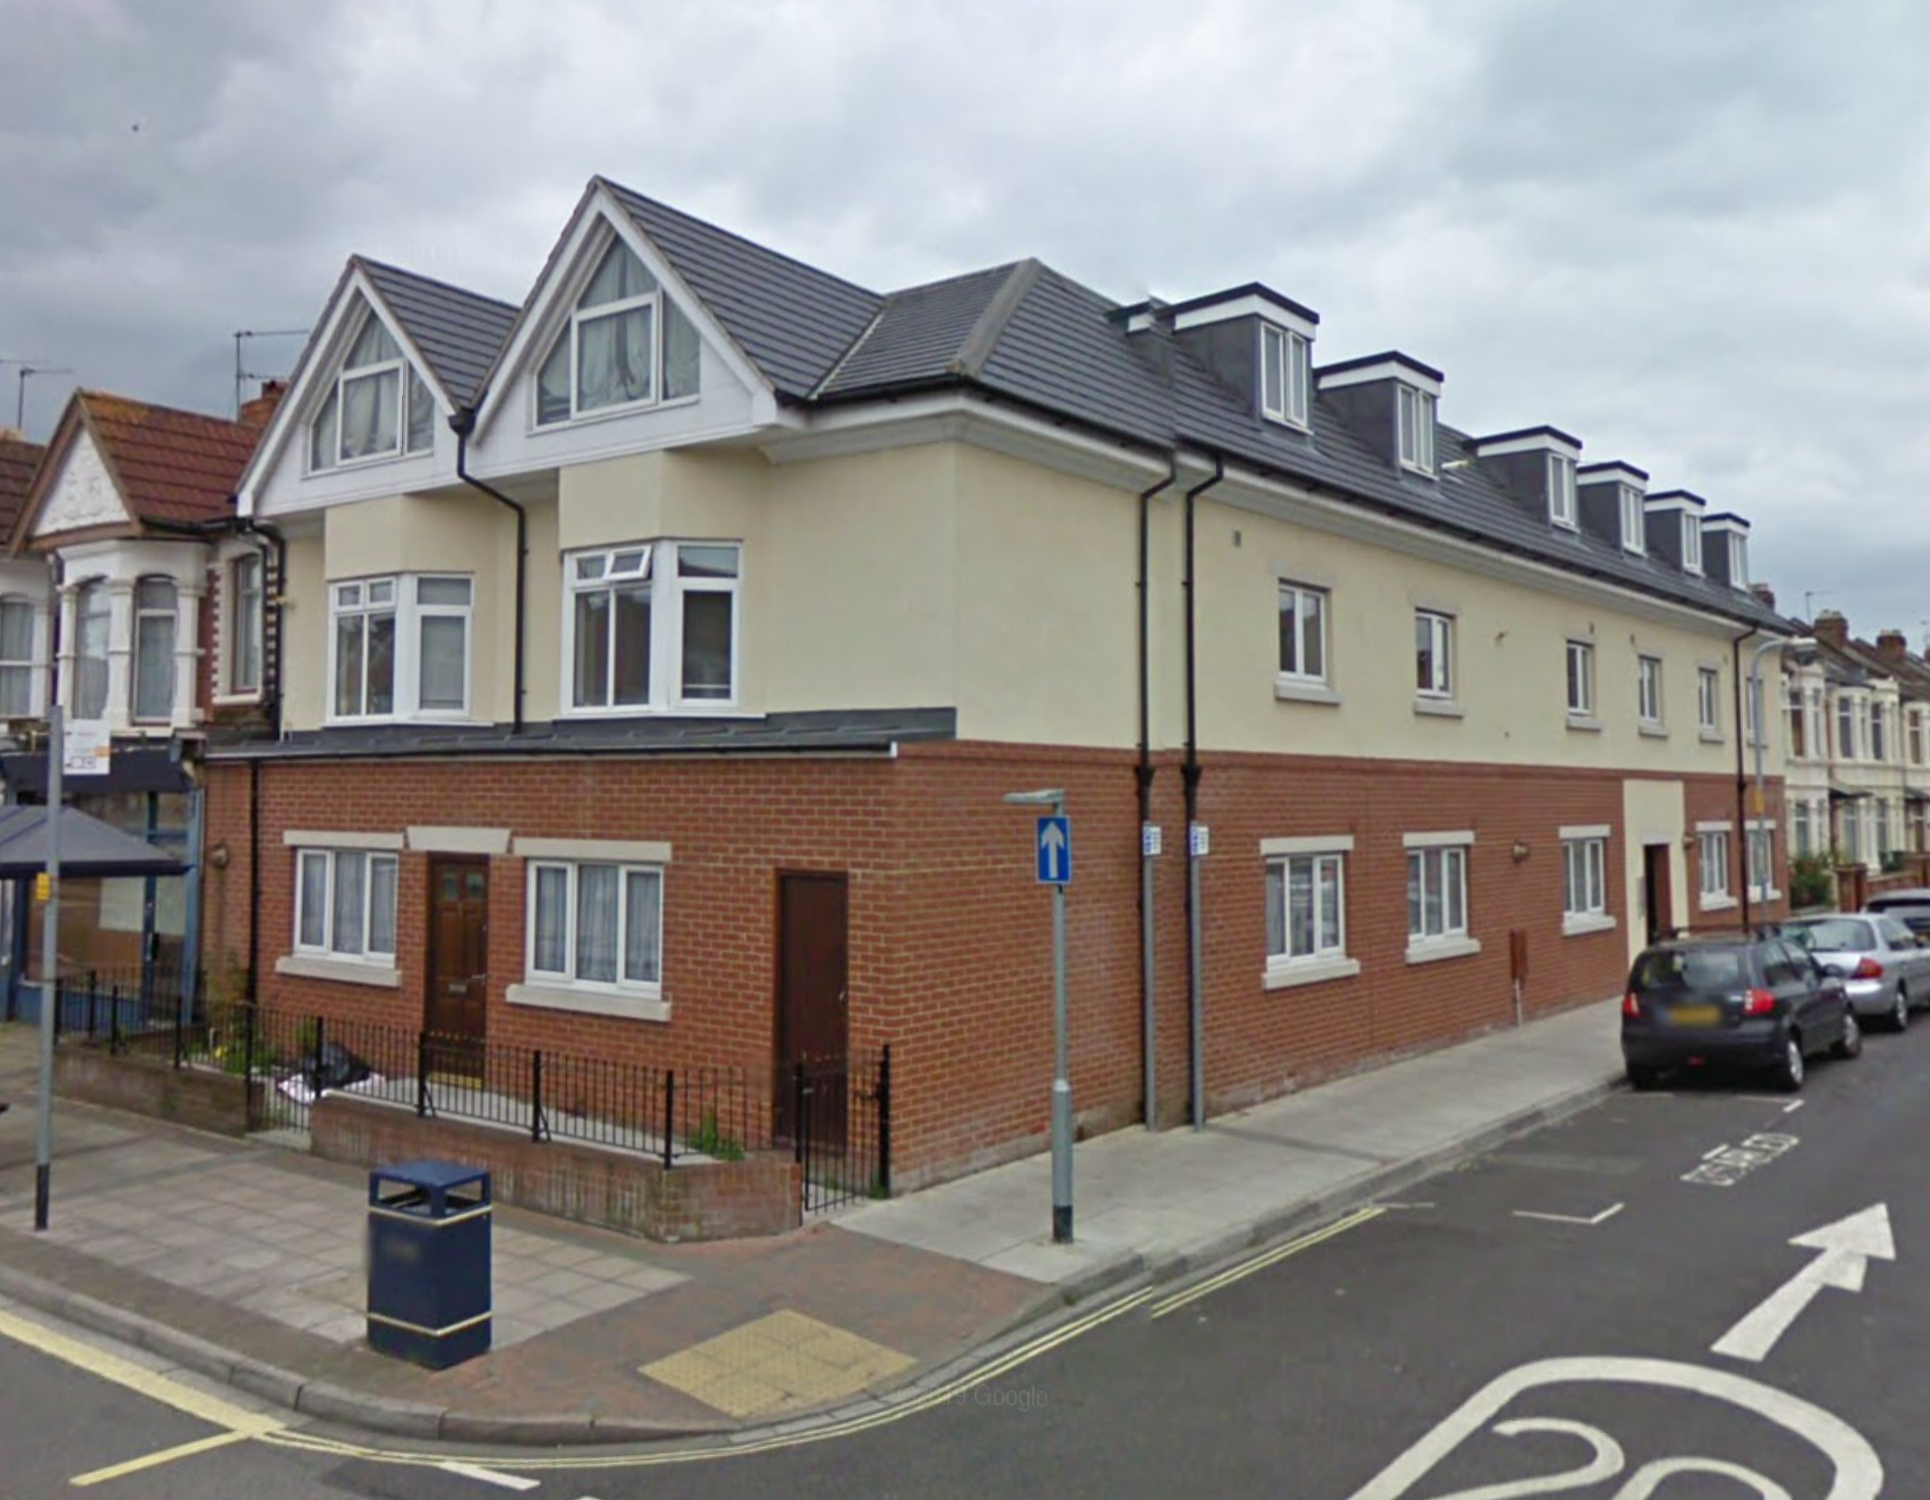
(400, 648)
(652, 626)
(596, 927)
(345, 905)
(131, 663)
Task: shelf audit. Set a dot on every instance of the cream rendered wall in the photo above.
(1047, 636)
(304, 629)
(1510, 663)
(1653, 813)
(543, 615)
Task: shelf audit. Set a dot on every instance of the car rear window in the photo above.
(1690, 969)
(1832, 935)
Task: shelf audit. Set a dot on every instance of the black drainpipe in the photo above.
(254, 880)
(274, 570)
(1742, 775)
(462, 424)
(1143, 773)
(1190, 778)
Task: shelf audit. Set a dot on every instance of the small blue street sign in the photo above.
(1055, 851)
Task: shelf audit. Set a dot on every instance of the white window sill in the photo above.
(1653, 731)
(441, 721)
(1580, 924)
(1439, 708)
(1718, 903)
(345, 970)
(1283, 974)
(1711, 736)
(1768, 895)
(706, 708)
(610, 414)
(1288, 690)
(1432, 950)
(236, 700)
(1584, 723)
(636, 1007)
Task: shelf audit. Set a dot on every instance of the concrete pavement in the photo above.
(245, 1261)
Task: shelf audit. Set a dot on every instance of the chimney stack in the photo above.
(1831, 629)
(259, 412)
(1893, 647)
(1765, 596)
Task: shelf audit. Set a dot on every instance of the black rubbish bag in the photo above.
(333, 1066)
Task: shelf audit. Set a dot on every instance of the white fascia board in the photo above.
(1533, 442)
(1249, 306)
(1386, 369)
(1732, 525)
(1613, 473)
(549, 304)
(1656, 505)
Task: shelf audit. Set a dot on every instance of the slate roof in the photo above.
(172, 466)
(18, 460)
(457, 331)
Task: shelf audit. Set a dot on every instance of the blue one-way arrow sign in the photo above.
(1055, 851)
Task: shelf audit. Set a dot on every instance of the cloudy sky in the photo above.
(1691, 234)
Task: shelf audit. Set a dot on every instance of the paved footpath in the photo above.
(245, 1261)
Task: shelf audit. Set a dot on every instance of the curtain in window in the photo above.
(422, 415)
(707, 646)
(643, 926)
(381, 663)
(351, 873)
(382, 877)
(596, 922)
(244, 675)
(681, 355)
(154, 624)
(349, 633)
(314, 901)
(619, 275)
(1300, 907)
(593, 648)
(16, 658)
(551, 947)
(613, 358)
(369, 414)
(1276, 909)
(444, 659)
(90, 653)
(553, 383)
(322, 437)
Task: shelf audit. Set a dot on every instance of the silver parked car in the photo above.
(1886, 971)
(1911, 907)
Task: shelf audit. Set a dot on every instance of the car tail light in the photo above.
(1631, 1006)
(1868, 968)
(1758, 1003)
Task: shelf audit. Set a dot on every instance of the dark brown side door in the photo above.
(1658, 890)
(811, 986)
(457, 1010)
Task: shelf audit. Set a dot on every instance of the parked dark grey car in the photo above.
(1745, 1001)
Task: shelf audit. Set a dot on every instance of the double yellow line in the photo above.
(1271, 1257)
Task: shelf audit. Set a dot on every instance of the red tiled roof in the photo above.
(18, 460)
(178, 466)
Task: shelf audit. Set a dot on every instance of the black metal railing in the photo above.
(131, 1008)
(840, 1128)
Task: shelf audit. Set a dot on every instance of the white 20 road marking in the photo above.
(1845, 1250)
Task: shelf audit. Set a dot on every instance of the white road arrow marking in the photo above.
(1845, 1249)
(1601, 1218)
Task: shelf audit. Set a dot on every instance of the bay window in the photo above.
(155, 611)
(652, 625)
(16, 657)
(92, 620)
(400, 646)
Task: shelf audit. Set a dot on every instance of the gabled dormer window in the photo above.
(1634, 538)
(1415, 411)
(625, 345)
(1283, 375)
(1691, 543)
(378, 407)
(1561, 490)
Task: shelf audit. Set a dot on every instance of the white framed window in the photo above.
(246, 611)
(1760, 850)
(1306, 908)
(1648, 690)
(1561, 490)
(625, 346)
(1283, 374)
(345, 904)
(1584, 879)
(377, 408)
(1802, 826)
(1437, 894)
(1691, 543)
(1303, 633)
(156, 613)
(1433, 654)
(1581, 679)
(1712, 861)
(1634, 533)
(596, 926)
(1845, 727)
(1798, 726)
(400, 647)
(1913, 722)
(1708, 700)
(1850, 823)
(1752, 711)
(17, 622)
(93, 615)
(652, 625)
(1738, 560)
(1415, 419)
(1885, 829)
(1879, 731)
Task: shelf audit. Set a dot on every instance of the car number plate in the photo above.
(1696, 1015)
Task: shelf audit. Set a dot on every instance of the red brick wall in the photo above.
(950, 934)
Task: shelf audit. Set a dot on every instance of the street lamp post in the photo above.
(1761, 712)
(1053, 803)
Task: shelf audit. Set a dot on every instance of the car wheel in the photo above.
(1643, 1079)
(1850, 1044)
(1900, 1016)
(1789, 1072)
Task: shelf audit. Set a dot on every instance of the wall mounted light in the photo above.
(1520, 851)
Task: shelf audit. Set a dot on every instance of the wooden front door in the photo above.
(811, 980)
(1660, 898)
(458, 1004)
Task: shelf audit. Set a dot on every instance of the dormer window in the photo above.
(626, 345)
(1415, 409)
(1634, 538)
(378, 408)
(1738, 560)
(1561, 490)
(1691, 543)
(1283, 375)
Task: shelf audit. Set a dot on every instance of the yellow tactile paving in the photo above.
(779, 1363)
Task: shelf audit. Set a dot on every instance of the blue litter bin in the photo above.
(429, 1274)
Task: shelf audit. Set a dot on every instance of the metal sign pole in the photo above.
(1061, 1082)
(49, 976)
